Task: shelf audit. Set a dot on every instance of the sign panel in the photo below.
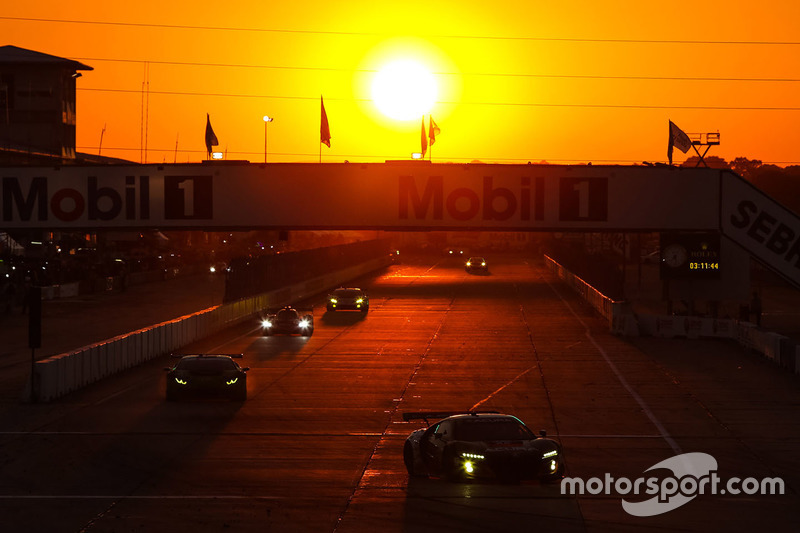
(691, 256)
(761, 226)
(394, 195)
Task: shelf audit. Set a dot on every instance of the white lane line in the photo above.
(492, 395)
(645, 408)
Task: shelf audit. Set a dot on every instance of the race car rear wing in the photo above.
(439, 415)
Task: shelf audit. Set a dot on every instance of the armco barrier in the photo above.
(61, 374)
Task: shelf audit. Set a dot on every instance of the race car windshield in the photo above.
(287, 313)
(348, 294)
(472, 430)
(206, 366)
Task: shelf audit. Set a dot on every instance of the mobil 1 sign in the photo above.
(761, 225)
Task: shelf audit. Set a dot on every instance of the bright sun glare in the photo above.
(404, 90)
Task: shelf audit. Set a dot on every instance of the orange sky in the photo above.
(518, 81)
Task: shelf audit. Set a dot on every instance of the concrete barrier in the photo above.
(61, 374)
(775, 347)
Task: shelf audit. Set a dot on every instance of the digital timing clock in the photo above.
(704, 266)
(690, 255)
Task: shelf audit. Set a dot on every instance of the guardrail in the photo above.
(64, 373)
(622, 320)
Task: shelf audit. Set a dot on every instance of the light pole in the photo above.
(267, 120)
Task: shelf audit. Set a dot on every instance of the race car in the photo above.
(351, 298)
(288, 321)
(207, 374)
(479, 445)
(476, 264)
(219, 267)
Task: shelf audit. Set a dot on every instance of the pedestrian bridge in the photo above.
(408, 196)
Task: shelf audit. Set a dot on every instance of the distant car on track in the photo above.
(479, 445)
(207, 375)
(453, 252)
(476, 265)
(288, 321)
(351, 298)
(219, 267)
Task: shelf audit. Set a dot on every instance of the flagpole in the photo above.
(430, 146)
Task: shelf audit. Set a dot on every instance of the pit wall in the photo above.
(64, 373)
(622, 320)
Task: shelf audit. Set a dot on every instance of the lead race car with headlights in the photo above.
(288, 321)
(480, 445)
(207, 374)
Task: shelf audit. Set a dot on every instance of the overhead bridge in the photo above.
(409, 196)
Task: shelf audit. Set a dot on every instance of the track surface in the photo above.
(318, 445)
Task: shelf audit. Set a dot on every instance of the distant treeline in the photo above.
(781, 183)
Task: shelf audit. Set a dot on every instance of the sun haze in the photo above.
(404, 90)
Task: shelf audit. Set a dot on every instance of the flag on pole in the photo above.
(433, 131)
(211, 138)
(324, 129)
(678, 139)
(424, 138)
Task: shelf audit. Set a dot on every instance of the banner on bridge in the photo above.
(411, 195)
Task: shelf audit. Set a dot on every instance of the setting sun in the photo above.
(404, 90)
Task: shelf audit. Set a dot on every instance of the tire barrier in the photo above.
(623, 321)
(61, 374)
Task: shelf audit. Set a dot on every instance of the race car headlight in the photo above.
(468, 467)
(179, 381)
(550, 454)
(553, 465)
(212, 269)
(303, 323)
(483, 263)
(472, 456)
(333, 300)
(469, 264)
(231, 381)
(360, 301)
(266, 323)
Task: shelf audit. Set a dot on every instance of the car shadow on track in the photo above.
(343, 318)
